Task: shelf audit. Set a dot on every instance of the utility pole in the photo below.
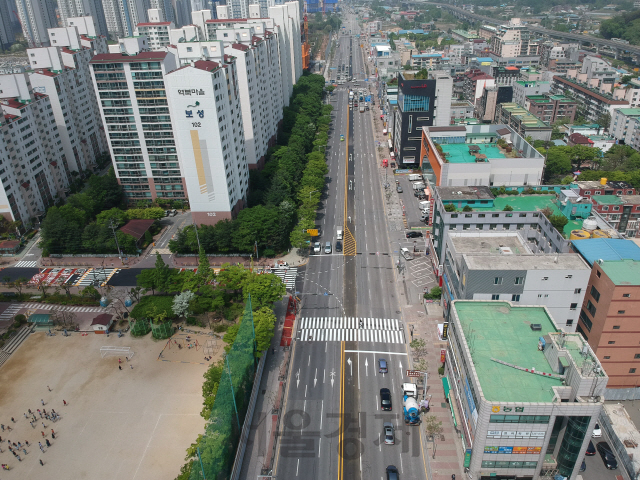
(197, 237)
(113, 229)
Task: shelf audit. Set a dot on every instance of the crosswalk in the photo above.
(26, 263)
(101, 275)
(161, 251)
(48, 306)
(351, 329)
(10, 312)
(287, 275)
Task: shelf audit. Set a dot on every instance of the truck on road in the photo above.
(410, 405)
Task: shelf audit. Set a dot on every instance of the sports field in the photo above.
(118, 424)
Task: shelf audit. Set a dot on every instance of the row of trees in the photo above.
(623, 26)
(285, 193)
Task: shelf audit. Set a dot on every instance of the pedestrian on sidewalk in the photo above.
(41, 462)
(42, 401)
(64, 402)
(47, 442)
(43, 435)
(48, 388)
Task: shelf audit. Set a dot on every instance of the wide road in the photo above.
(332, 423)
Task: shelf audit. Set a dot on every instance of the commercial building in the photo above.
(429, 61)
(522, 89)
(609, 317)
(495, 266)
(592, 104)
(522, 122)
(36, 17)
(625, 126)
(204, 103)
(461, 109)
(156, 29)
(551, 108)
(74, 9)
(63, 74)
(527, 395)
(470, 155)
(505, 76)
(463, 35)
(417, 108)
(489, 101)
(34, 164)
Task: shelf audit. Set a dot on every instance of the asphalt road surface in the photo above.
(332, 423)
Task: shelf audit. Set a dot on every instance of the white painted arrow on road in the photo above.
(366, 366)
(350, 364)
(400, 368)
(298, 378)
(315, 380)
(332, 374)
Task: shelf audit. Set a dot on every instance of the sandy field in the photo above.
(119, 424)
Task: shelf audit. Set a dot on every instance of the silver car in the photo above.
(389, 434)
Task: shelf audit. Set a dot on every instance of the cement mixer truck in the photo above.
(410, 404)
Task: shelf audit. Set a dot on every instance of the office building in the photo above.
(592, 103)
(73, 9)
(416, 109)
(156, 29)
(7, 36)
(36, 17)
(493, 266)
(204, 103)
(527, 395)
(34, 164)
(522, 89)
(135, 112)
(63, 74)
(522, 122)
(490, 99)
(470, 155)
(551, 108)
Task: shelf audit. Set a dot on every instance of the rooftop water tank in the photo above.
(579, 235)
(589, 224)
(599, 234)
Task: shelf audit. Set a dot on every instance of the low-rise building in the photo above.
(527, 395)
(522, 121)
(491, 266)
(461, 109)
(551, 108)
(621, 211)
(489, 101)
(522, 89)
(429, 61)
(592, 188)
(592, 104)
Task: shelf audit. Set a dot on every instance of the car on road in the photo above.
(382, 366)
(342, 138)
(591, 450)
(399, 189)
(413, 234)
(389, 435)
(392, 473)
(317, 247)
(597, 433)
(327, 247)
(608, 458)
(338, 246)
(385, 399)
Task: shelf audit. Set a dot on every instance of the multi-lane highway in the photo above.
(332, 424)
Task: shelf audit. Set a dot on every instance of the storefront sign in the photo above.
(509, 450)
(510, 434)
(443, 352)
(467, 458)
(498, 408)
(445, 331)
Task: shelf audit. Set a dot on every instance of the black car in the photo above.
(392, 473)
(338, 246)
(413, 234)
(385, 399)
(591, 450)
(399, 189)
(607, 455)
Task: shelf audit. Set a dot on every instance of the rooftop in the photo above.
(515, 343)
(476, 242)
(459, 152)
(119, 57)
(607, 199)
(622, 272)
(526, 118)
(566, 261)
(629, 112)
(607, 249)
(467, 193)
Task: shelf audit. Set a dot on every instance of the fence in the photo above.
(619, 450)
(618, 394)
(91, 255)
(217, 448)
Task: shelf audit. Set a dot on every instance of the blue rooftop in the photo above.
(427, 55)
(404, 32)
(484, 59)
(607, 249)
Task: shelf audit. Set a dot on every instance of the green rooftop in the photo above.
(465, 34)
(459, 152)
(531, 203)
(622, 272)
(607, 199)
(527, 118)
(630, 112)
(498, 330)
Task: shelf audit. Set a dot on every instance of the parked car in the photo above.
(413, 234)
(392, 473)
(399, 189)
(382, 366)
(327, 247)
(338, 246)
(597, 433)
(608, 458)
(317, 247)
(389, 435)
(385, 399)
(591, 450)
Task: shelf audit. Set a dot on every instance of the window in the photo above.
(598, 274)
(577, 290)
(497, 281)
(632, 370)
(616, 327)
(545, 278)
(569, 323)
(586, 320)
(569, 276)
(607, 357)
(515, 298)
(495, 215)
(621, 312)
(626, 295)
(595, 294)
(519, 419)
(519, 281)
(637, 355)
(591, 308)
(611, 342)
(495, 297)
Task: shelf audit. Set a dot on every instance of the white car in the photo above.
(317, 248)
(597, 433)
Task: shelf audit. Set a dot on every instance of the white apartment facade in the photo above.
(33, 163)
(71, 10)
(156, 30)
(205, 109)
(625, 126)
(135, 113)
(36, 17)
(63, 75)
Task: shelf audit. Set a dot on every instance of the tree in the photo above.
(433, 429)
(604, 120)
(434, 294)
(265, 290)
(91, 292)
(204, 269)
(230, 336)
(557, 163)
(232, 277)
(558, 222)
(147, 280)
(264, 321)
(162, 273)
(181, 303)
(580, 154)
(507, 208)
(18, 285)
(63, 317)
(467, 208)
(449, 207)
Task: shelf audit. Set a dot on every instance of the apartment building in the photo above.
(204, 102)
(74, 9)
(87, 32)
(551, 108)
(522, 89)
(429, 61)
(625, 126)
(36, 17)
(156, 29)
(34, 164)
(522, 121)
(122, 16)
(621, 211)
(609, 316)
(63, 74)
(505, 76)
(416, 109)
(7, 36)
(513, 40)
(490, 99)
(165, 11)
(135, 112)
(526, 394)
(494, 266)
(554, 53)
(475, 81)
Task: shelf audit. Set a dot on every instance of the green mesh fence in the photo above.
(162, 330)
(140, 328)
(220, 440)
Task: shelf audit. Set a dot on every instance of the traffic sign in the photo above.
(413, 373)
(312, 231)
